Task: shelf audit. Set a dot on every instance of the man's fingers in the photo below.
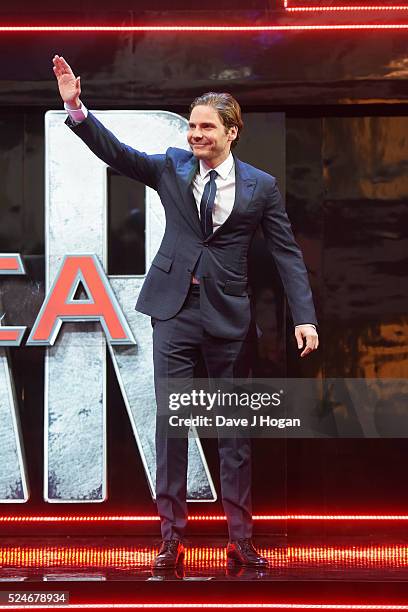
(299, 338)
(65, 66)
(55, 67)
(58, 69)
(307, 350)
(312, 342)
(61, 65)
(56, 61)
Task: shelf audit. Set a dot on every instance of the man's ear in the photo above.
(233, 132)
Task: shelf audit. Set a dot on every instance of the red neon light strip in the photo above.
(345, 8)
(271, 28)
(202, 517)
(210, 606)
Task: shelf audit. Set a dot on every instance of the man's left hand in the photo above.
(308, 333)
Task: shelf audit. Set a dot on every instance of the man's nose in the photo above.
(197, 135)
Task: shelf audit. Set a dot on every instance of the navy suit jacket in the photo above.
(224, 298)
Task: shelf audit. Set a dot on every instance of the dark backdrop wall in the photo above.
(344, 95)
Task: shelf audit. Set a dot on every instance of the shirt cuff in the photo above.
(77, 114)
(309, 324)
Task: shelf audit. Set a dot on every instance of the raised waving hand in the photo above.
(69, 85)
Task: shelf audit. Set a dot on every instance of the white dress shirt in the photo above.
(225, 181)
(225, 194)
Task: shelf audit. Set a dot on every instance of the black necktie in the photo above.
(207, 204)
(206, 210)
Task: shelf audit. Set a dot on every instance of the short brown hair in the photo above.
(228, 109)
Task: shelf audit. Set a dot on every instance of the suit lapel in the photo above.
(185, 175)
(244, 190)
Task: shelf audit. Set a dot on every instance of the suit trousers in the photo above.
(177, 344)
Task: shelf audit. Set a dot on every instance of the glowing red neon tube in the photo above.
(351, 7)
(287, 5)
(198, 517)
(203, 28)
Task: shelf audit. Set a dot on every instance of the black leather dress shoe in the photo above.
(168, 573)
(170, 554)
(244, 553)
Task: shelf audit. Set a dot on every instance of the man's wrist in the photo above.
(73, 105)
(77, 115)
(306, 324)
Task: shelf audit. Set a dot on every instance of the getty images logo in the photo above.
(223, 399)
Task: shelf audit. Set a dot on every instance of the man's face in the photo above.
(207, 136)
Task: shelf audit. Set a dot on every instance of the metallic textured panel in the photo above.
(75, 405)
(347, 191)
(13, 483)
(157, 69)
(366, 246)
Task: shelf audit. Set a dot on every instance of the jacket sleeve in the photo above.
(288, 257)
(124, 159)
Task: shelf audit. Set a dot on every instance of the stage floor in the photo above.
(346, 558)
(351, 573)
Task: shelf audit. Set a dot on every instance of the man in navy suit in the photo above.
(196, 291)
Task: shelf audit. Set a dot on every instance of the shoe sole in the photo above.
(235, 560)
(169, 565)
